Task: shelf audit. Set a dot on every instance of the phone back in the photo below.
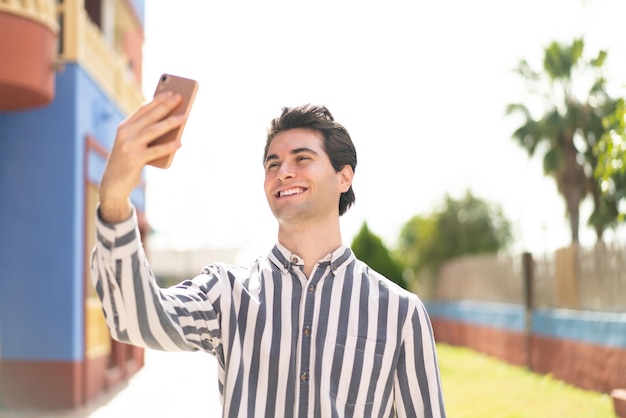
(187, 88)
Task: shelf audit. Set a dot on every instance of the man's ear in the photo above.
(345, 178)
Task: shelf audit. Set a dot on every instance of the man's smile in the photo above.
(290, 192)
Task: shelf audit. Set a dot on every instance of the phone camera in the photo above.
(164, 78)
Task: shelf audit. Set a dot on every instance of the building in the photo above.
(70, 71)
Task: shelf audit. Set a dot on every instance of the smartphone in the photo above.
(187, 88)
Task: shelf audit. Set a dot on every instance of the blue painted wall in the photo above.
(601, 328)
(42, 216)
(498, 315)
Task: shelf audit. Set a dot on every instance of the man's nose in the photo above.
(285, 172)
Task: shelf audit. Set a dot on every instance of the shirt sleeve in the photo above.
(137, 311)
(417, 384)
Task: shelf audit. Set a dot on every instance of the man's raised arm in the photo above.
(131, 152)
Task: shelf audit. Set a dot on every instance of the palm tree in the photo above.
(611, 170)
(570, 126)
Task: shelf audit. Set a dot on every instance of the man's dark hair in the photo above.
(337, 142)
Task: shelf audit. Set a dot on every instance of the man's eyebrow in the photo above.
(271, 157)
(303, 149)
(292, 152)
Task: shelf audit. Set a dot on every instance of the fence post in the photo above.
(567, 271)
(528, 273)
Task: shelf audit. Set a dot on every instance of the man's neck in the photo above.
(310, 242)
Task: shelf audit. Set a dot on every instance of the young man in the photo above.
(308, 330)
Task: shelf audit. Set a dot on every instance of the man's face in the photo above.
(301, 185)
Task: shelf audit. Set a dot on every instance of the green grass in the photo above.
(479, 386)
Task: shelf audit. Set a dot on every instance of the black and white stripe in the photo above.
(344, 343)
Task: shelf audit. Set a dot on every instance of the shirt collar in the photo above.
(283, 258)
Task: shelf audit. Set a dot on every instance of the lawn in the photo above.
(479, 386)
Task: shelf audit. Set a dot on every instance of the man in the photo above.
(308, 330)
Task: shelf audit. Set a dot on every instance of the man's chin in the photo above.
(290, 214)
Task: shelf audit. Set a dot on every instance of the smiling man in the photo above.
(308, 330)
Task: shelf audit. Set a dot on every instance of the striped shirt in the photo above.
(345, 342)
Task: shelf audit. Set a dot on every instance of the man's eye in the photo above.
(271, 166)
(303, 158)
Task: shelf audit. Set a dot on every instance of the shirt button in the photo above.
(307, 331)
(294, 260)
(311, 288)
(304, 377)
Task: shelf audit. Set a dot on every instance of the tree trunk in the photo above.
(596, 194)
(572, 183)
(573, 213)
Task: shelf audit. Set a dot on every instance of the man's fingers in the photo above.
(137, 151)
(149, 114)
(161, 150)
(148, 106)
(154, 131)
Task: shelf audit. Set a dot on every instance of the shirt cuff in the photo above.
(113, 235)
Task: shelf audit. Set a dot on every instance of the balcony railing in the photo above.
(42, 11)
(82, 41)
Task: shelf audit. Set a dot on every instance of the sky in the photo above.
(421, 86)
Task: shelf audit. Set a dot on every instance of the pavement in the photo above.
(169, 385)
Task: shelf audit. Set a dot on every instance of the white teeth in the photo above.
(290, 192)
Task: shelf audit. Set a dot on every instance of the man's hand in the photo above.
(131, 153)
